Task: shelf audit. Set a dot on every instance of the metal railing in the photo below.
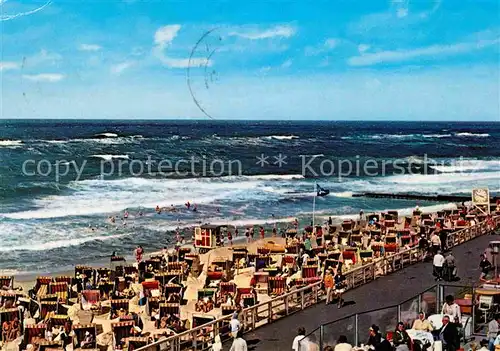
(356, 326)
(201, 337)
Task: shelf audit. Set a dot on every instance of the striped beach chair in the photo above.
(42, 286)
(151, 288)
(8, 315)
(32, 331)
(61, 289)
(120, 304)
(174, 276)
(121, 331)
(48, 308)
(183, 251)
(89, 299)
(59, 319)
(43, 345)
(276, 285)
(63, 278)
(292, 249)
(129, 270)
(87, 271)
(136, 342)
(6, 281)
(154, 263)
(8, 298)
(81, 329)
(170, 309)
(175, 266)
(227, 310)
(347, 225)
(288, 261)
(153, 303)
(350, 254)
(227, 288)
(309, 271)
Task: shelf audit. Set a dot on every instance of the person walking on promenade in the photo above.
(329, 286)
(438, 263)
(435, 242)
(239, 344)
(301, 336)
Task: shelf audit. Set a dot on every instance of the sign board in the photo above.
(481, 196)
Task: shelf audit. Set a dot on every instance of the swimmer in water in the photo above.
(158, 209)
(195, 208)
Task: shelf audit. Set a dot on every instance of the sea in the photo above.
(61, 180)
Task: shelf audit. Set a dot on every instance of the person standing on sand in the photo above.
(247, 234)
(262, 232)
(230, 238)
(139, 251)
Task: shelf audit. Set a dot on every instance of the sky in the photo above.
(258, 59)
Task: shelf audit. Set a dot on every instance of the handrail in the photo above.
(473, 231)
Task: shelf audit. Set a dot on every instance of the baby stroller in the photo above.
(449, 272)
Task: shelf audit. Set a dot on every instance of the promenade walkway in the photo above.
(384, 291)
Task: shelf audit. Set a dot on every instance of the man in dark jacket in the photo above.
(377, 341)
(448, 334)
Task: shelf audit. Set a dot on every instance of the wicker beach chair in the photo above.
(120, 304)
(42, 286)
(153, 303)
(47, 307)
(61, 289)
(8, 315)
(129, 270)
(136, 342)
(154, 263)
(43, 345)
(33, 331)
(347, 225)
(63, 278)
(8, 298)
(6, 281)
(276, 285)
(350, 253)
(309, 271)
(227, 288)
(151, 288)
(59, 319)
(263, 251)
(227, 310)
(90, 300)
(366, 256)
(121, 330)
(80, 331)
(170, 309)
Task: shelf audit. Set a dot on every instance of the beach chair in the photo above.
(154, 264)
(344, 238)
(115, 262)
(322, 257)
(136, 342)
(242, 291)
(173, 309)
(390, 223)
(240, 258)
(153, 303)
(291, 233)
(120, 304)
(406, 240)
(227, 310)
(8, 315)
(32, 331)
(48, 297)
(317, 250)
(248, 300)
(276, 285)
(172, 289)
(227, 288)
(87, 271)
(428, 222)
(190, 258)
(43, 345)
(81, 329)
(309, 271)
(6, 281)
(263, 251)
(47, 307)
(59, 319)
(121, 284)
(129, 270)
(42, 286)
(350, 253)
(105, 288)
(174, 276)
(292, 249)
(8, 298)
(357, 239)
(334, 255)
(206, 292)
(390, 241)
(104, 274)
(262, 262)
(366, 256)
(348, 225)
(151, 288)
(121, 330)
(176, 266)
(61, 289)
(90, 300)
(63, 279)
(373, 218)
(183, 251)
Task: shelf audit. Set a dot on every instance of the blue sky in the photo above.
(275, 59)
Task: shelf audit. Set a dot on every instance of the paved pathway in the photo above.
(385, 291)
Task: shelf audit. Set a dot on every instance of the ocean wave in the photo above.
(11, 143)
(100, 197)
(392, 136)
(110, 157)
(468, 165)
(436, 136)
(473, 135)
(107, 135)
(282, 137)
(51, 245)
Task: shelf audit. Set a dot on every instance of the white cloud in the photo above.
(327, 45)
(5, 65)
(44, 77)
(363, 48)
(164, 35)
(281, 31)
(119, 68)
(42, 57)
(89, 47)
(286, 64)
(162, 39)
(435, 50)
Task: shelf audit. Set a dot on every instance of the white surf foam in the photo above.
(474, 135)
(468, 165)
(436, 136)
(282, 137)
(110, 157)
(11, 143)
(107, 135)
